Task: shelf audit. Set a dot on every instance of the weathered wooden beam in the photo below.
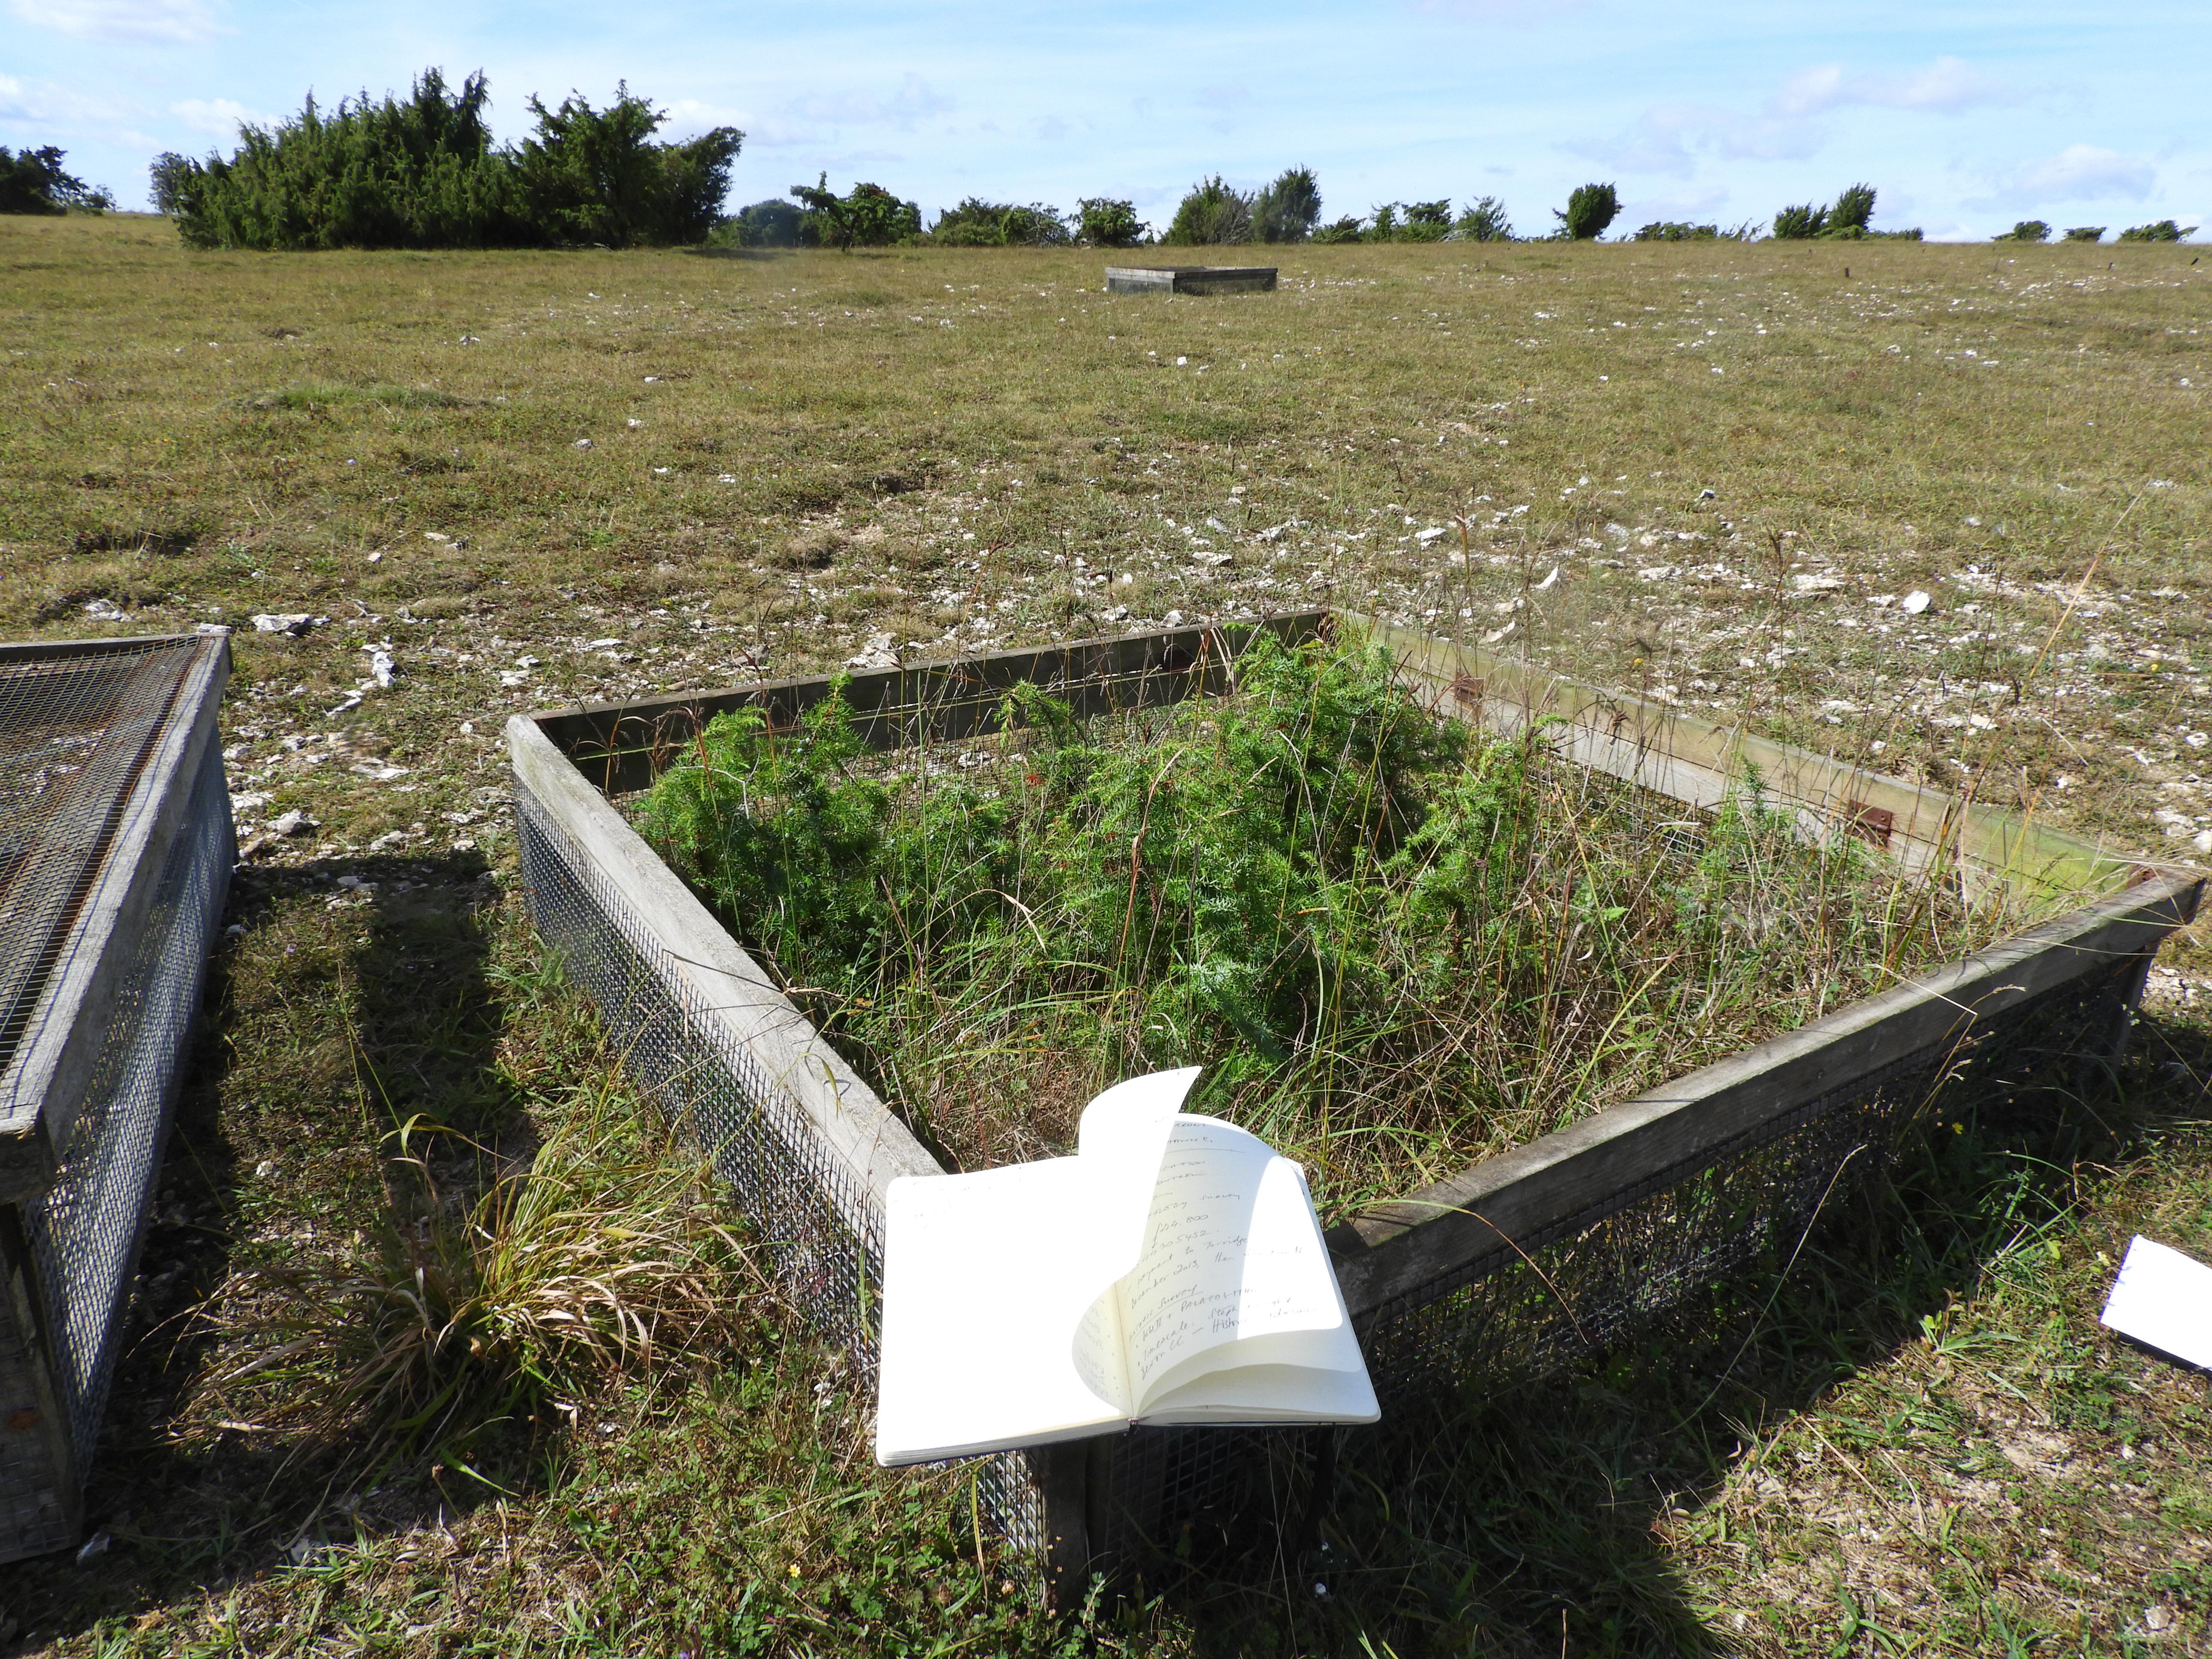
(1397, 1247)
(623, 746)
(1699, 762)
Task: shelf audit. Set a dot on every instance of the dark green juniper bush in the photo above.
(1211, 212)
(33, 182)
(866, 216)
(1288, 210)
(1395, 944)
(1588, 212)
(423, 173)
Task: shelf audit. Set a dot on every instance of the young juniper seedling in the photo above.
(1395, 944)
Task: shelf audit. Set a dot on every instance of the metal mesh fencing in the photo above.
(1622, 1268)
(60, 1343)
(74, 730)
(802, 1206)
(86, 1232)
(1608, 1274)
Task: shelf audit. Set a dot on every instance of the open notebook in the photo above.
(1171, 1272)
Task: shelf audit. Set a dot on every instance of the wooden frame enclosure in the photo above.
(1520, 1260)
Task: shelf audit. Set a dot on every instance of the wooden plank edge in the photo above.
(606, 740)
(53, 1068)
(864, 1137)
(1611, 726)
(60, 650)
(1412, 1240)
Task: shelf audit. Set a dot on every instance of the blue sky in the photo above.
(1965, 117)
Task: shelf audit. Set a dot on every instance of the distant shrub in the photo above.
(596, 176)
(1853, 210)
(1800, 224)
(31, 181)
(1915, 234)
(1589, 211)
(1107, 222)
(867, 217)
(1427, 221)
(1287, 210)
(2164, 231)
(1484, 220)
(1674, 230)
(2084, 233)
(772, 224)
(976, 223)
(423, 173)
(1346, 230)
(2027, 230)
(168, 173)
(1211, 212)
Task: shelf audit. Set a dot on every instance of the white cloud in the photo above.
(173, 21)
(2080, 172)
(1671, 138)
(914, 100)
(1693, 206)
(221, 116)
(1946, 85)
(1225, 102)
(41, 104)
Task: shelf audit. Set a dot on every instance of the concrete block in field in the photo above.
(1189, 279)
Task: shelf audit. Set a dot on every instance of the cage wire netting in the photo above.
(76, 734)
(822, 1234)
(1609, 1273)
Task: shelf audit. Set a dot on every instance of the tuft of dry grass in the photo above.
(455, 1313)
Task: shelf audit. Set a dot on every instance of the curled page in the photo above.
(1122, 1139)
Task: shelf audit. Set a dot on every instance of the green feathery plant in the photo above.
(1395, 945)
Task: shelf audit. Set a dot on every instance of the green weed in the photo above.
(1394, 946)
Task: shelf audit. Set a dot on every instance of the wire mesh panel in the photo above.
(1592, 1280)
(822, 1237)
(74, 733)
(116, 850)
(1646, 1245)
(85, 1234)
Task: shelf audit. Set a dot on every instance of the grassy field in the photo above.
(530, 478)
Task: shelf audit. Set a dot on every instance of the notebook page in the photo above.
(2163, 1297)
(1231, 1252)
(991, 1332)
(1123, 1136)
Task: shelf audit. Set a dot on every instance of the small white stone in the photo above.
(1914, 603)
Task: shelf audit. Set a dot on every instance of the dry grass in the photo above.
(919, 445)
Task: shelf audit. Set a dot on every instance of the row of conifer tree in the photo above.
(424, 171)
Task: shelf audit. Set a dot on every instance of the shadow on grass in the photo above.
(1530, 1521)
(356, 994)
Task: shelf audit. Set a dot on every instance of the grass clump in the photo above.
(453, 1314)
(1395, 944)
